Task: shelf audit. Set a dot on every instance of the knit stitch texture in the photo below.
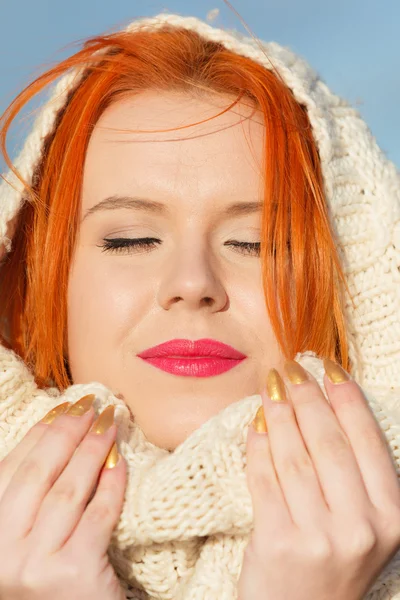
(187, 514)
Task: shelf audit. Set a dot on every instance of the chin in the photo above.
(169, 434)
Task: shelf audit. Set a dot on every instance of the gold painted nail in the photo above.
(112, 458)
(335, 372)
(259, 422)
(104, 420)
(54, 412)
(81, 406)
(276, 387)
(295, 372)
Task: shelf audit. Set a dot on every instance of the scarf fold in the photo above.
(187, 514)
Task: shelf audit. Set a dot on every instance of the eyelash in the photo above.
(119, 245)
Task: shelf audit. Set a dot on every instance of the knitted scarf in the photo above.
(187, 514)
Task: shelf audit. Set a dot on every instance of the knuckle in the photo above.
(31, 471)
(389, 525)
(260, 482)
(260, 472)
(30, 581)
(362, 541)
(99, 513)
(257, 456)
(259, 469)
(281, 549)
(296, 466)
(335, 446)
(36, 578)
(282, 416)
(92, 443)
(30, 577)
(349, 394)
(306, 394)
(63, 432)
(372, 439)
(61, 439)
(320, 548)
(65, 492)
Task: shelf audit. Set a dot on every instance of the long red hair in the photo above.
(304, 301)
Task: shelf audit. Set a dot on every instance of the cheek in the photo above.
(105, 302)
(256, 322)
(249, 297)
(87, 296)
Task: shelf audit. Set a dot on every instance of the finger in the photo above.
(293, 465)
(94, 530)
(270, 511)
(366, 438)
(327, 444)
(63, 506)
(40, 469)
(11, 462)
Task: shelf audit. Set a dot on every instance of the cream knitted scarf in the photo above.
(187, 515)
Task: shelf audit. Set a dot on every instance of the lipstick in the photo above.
(193, 358)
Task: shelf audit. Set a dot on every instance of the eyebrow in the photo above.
(152, 206)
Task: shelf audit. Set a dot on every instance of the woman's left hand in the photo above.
(325, 493)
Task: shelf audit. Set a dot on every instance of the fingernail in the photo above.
(54, 412)
(276, 387)
(81, 406)
(259, 422)
(335, 372)
(104, 420)
(112, 458)
(295, 372)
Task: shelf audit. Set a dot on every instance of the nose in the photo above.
(192, 278)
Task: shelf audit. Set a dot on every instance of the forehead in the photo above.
(216, 158)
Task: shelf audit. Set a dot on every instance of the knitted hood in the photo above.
(176, 538)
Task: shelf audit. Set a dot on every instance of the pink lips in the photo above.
(199, 358)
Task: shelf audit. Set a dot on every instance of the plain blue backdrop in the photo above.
(353, 44)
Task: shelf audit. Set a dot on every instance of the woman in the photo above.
(184, 184)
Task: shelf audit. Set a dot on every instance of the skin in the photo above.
(127, 302)
(326, 498)
(325, 494)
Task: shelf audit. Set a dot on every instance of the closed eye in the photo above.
(125, 245)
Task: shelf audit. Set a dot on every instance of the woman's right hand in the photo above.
(55, 524)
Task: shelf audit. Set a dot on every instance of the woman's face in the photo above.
(191, 283)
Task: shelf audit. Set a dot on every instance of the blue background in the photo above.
(353, 44)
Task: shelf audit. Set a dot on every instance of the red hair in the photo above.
(304, 302)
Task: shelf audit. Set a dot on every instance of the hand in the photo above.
(324, 489)
(55, 526)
